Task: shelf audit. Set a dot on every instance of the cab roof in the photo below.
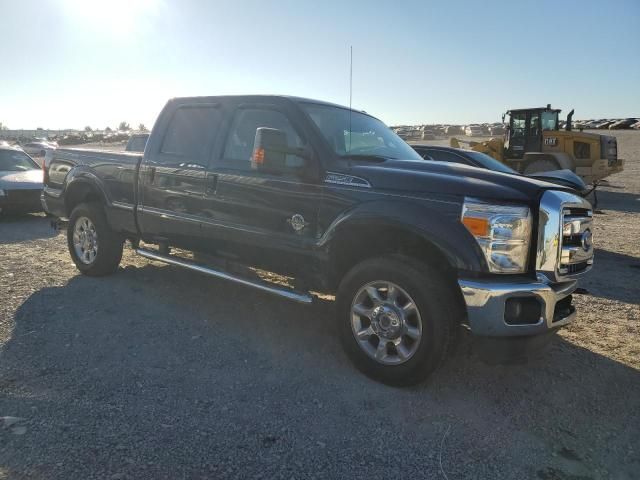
(263, 97)
(546, 109)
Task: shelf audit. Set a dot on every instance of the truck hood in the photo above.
(449, 179)
(562, 177)
(30, 179)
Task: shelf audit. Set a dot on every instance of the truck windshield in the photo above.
(358, 134)
(549, 120)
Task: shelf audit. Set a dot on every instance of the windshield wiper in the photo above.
(367, 156)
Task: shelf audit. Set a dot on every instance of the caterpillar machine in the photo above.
(533, 142)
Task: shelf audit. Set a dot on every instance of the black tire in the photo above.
(110, 243)
(438, 306)
(541, 165)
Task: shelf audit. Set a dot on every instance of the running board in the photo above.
(171, 260)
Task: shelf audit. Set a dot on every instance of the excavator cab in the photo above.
(524, 132)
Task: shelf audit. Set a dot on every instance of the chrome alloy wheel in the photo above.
(386, 322)
(85, 240)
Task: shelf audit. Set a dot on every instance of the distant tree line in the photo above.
(122, 127)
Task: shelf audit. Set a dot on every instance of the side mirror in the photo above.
(270, 151)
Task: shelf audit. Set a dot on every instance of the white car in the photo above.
(473, 131)
(38, 149)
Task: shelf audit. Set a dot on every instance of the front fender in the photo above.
(437, 222)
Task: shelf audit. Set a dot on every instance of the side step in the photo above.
(171, 260)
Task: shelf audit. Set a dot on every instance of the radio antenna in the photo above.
(350, 91)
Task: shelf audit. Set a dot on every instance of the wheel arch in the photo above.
(82, 190)
(357, 242)
(447, 246)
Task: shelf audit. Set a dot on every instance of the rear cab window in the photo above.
(190, 134)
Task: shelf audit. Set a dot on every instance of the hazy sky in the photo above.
(71, 63)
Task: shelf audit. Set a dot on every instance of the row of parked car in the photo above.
(37, 147)
(430, 132)
(607, 124)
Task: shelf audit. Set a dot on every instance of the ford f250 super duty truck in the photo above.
(331, 197)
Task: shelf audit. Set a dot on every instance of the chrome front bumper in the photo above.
(486, 301)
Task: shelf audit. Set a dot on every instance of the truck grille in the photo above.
(565, 236)
(576, 247)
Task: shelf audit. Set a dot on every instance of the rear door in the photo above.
(264, 219)
(173, 174)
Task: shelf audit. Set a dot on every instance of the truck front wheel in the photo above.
(94, 247)
(397, 319)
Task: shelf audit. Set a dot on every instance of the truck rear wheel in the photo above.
(94, 247)
(397, 319)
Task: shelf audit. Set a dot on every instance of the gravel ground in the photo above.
(160, 373)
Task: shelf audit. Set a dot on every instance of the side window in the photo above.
(534, 127)
(519, 121)
(190, 132)
(239, 146)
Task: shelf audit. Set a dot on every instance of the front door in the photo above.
(517, 135)
(525, 134)
(172, 178)
(534, 133)
(268, 220)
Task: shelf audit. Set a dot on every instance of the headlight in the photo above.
(2, 194)
(502, 231)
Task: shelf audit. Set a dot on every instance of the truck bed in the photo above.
(115, 173)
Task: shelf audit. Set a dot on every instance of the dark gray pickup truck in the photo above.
(333, 198)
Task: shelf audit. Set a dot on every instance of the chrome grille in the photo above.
(564, 244)
(576, 247)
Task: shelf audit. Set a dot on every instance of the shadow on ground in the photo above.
(31, 227)
(160, 373)
(624, 286)
(616, 200)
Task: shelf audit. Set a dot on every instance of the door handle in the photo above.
(212, 184)
(152, 174)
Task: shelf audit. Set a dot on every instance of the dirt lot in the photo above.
(158, 373)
